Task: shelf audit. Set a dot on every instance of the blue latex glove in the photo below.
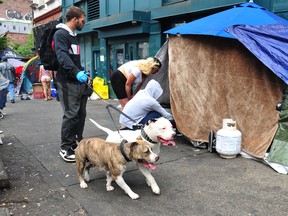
(82, 77)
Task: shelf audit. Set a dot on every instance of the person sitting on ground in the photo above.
(144, 106)
(45, 78)
(8, 71)
(132, 72)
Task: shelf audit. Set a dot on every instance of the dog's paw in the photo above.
(133, 196)
(156, 190)
(109, 188)
(83, 185)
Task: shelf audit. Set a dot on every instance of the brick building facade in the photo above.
(16, 19)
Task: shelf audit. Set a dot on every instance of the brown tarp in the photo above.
(212, 78)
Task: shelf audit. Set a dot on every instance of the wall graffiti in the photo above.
(14, 14)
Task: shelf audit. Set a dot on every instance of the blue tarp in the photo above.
(269, 43)
(246, 14)
(263, 33)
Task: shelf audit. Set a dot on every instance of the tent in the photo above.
(273, 53)
(269, 43)
(216, 24)
(161, 76)
(9, 53)
(30, 75)
(212, 76)
(15, 62)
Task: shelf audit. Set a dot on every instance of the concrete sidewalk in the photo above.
(192, 181)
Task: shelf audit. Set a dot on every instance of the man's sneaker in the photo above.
(67, 155)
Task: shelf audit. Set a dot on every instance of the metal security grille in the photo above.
(93, 10)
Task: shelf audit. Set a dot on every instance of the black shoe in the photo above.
(12, 101)
(67, 155)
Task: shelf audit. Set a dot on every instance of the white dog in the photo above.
(155, 133)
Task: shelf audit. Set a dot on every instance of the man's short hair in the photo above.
(74, 12)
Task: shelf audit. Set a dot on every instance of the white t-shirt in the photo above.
(131, 67)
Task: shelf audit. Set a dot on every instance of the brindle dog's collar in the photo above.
(146, 137)
(122, 150)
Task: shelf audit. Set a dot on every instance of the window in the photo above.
(143, 50)
(41, 2)
(93, 10)
(165, 2)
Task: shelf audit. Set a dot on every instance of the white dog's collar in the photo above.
(146, 137)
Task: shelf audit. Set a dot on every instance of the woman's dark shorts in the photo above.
(118, 81)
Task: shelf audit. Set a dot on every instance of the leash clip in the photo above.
(137, 126)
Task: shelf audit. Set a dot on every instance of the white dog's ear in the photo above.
(151, 121)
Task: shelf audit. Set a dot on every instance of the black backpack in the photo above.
(46, 51)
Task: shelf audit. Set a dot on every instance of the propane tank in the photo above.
(228, 139)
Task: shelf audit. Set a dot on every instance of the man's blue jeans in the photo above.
(150, 115)
(11, 91)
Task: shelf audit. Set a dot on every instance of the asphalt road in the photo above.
(192, 181)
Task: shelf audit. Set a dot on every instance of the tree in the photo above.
(3, 42)
(25, 50)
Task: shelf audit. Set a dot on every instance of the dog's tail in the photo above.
(107, 130)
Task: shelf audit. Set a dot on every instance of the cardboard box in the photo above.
(37, 87)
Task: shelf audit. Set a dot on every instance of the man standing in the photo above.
(8, 71)
(72, 91)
